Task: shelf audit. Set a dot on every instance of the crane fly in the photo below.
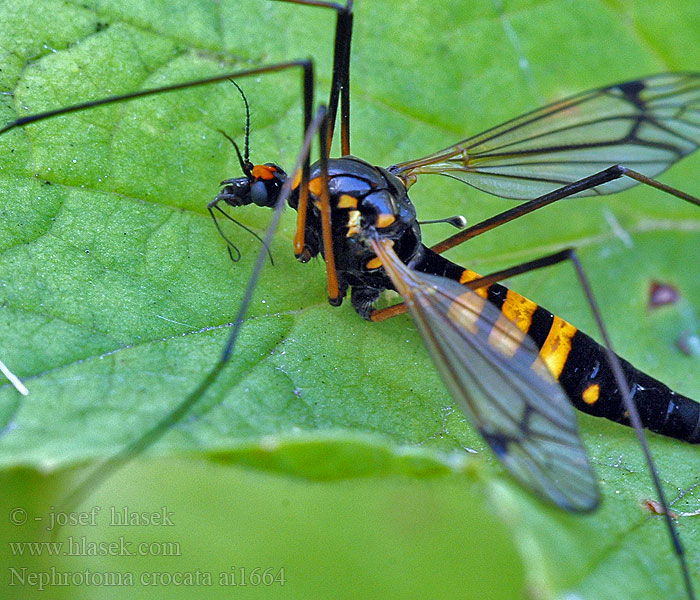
(595, 143)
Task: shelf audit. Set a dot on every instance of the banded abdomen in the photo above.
(579, 363)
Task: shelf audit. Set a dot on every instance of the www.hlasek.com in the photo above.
(82, 546)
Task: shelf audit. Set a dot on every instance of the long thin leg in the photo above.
(346, 33)
(587, 183)
(302, 208)
(614, 361)
(306, 65)
(340, 84)
(152, 435)
(610, 174)
(326, 230)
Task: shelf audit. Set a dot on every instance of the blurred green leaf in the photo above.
(116, 291)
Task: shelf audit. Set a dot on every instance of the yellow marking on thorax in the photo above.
(347, 201)
(591, 394)
(353, 223)
(315, 186)
(384, 220)
(557, 346)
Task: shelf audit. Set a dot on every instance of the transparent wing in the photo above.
(511, 398)
(645, 124)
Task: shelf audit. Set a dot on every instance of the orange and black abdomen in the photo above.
(580, 364)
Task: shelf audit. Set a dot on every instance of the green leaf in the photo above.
(117, 293)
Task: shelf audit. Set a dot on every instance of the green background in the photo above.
(329, 447)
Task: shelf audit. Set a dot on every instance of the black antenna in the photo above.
(246, 165)
(247, 168)
(246, 146)
(304, 64)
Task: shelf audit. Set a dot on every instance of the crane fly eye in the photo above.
(258, 193)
